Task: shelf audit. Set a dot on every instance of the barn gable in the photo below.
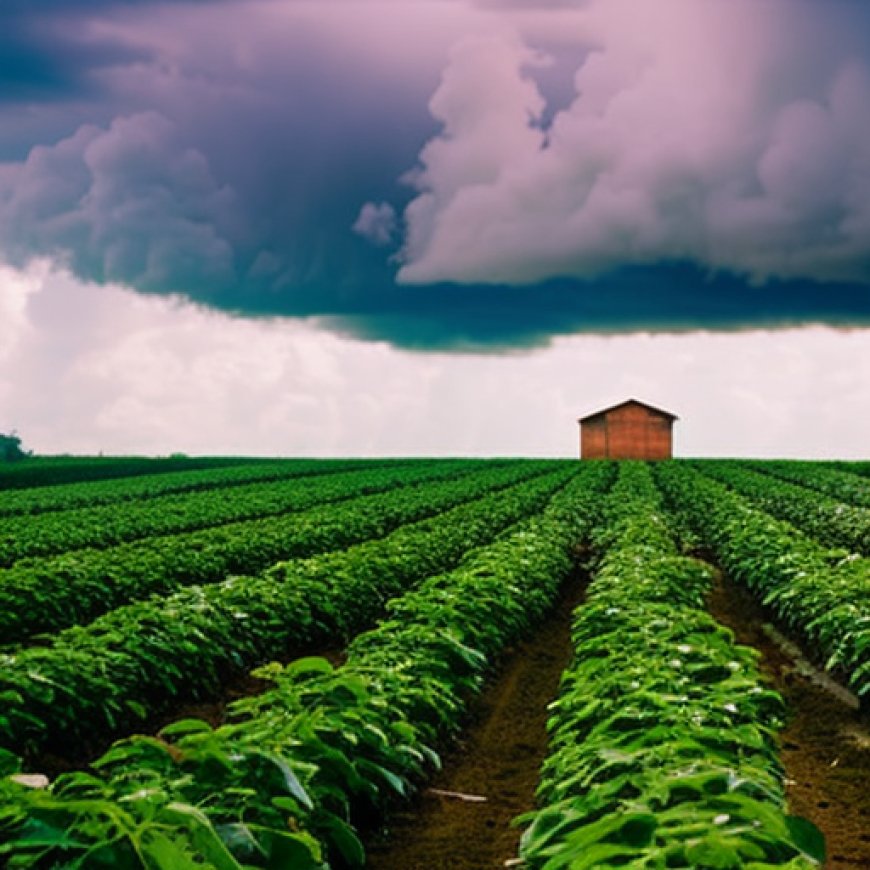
(628, 430)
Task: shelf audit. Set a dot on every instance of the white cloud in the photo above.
(726, 132)
(376, 222)
(88, 368)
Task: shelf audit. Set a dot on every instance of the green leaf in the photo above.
(9, 763)
(589, 857)
(342, 837)
(138, 709)
(310, 665)
(202, 835)
(35, 832)
(807, 837)
(637, 830)
(290, 780)
(165, 854)
(714, 852)
(291, 850)
(185, 726)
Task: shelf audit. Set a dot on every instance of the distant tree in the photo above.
(10, 448)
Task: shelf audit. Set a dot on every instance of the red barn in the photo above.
(629, 430)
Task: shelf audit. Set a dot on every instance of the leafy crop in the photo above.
(105, 525)
(822, 595)
(49, 471)
(830, 521)
(662, 747)
(47, 595)
(283, 784)
(859, 468)
(61, 497)
(95, 680)
(841, 485)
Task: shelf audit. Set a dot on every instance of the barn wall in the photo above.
(627, 432)
(634, 432)
(593, 439)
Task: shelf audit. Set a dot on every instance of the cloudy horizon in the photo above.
(154, 375)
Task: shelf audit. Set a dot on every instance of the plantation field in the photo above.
(453, 663)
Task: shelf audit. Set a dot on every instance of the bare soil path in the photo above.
(826, 745)
(462, 821)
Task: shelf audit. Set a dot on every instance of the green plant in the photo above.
(11, 449)
(821, 595)
(662, 741)
(95, 681)
(284, 782)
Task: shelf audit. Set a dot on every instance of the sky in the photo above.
(437, 227)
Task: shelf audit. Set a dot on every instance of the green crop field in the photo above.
(236, 663)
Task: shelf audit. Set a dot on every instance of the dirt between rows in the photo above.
(825, 747)
(462, 820)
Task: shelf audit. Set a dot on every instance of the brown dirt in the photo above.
(825, 747)
(499, 759)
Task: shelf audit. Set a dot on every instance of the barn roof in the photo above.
(667, 414)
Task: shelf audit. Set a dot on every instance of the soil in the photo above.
(825, 747)
(462, 821)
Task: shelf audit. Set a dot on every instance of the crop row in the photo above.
(663, 740)
(840, 485)
(97, 680)
(823, 596)
(109, 525)
(48, 471)
(51, 594)
(828, 520)
(66, 496)
(859, 468)
(282, 785)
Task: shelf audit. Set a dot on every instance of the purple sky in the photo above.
(445, 176)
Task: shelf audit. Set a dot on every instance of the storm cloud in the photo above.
(732, 135)
(447, 174)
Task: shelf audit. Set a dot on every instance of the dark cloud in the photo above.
(665, 298)
(127, 204)
(54, 59)
(229, 158)
(233, 180)
(49, 48)
(12, 8)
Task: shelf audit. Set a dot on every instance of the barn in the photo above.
(629, 430)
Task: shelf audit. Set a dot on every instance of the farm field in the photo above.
(434, 663)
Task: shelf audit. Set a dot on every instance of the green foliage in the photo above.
(841, 485)
(106, 526)
(41, 595)
(829, 520)
(11, 449)
(116, 491)
(822, 595)
(282, 784)
(662, 742)
(96, 680)
(663, 738)
(49, 471)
